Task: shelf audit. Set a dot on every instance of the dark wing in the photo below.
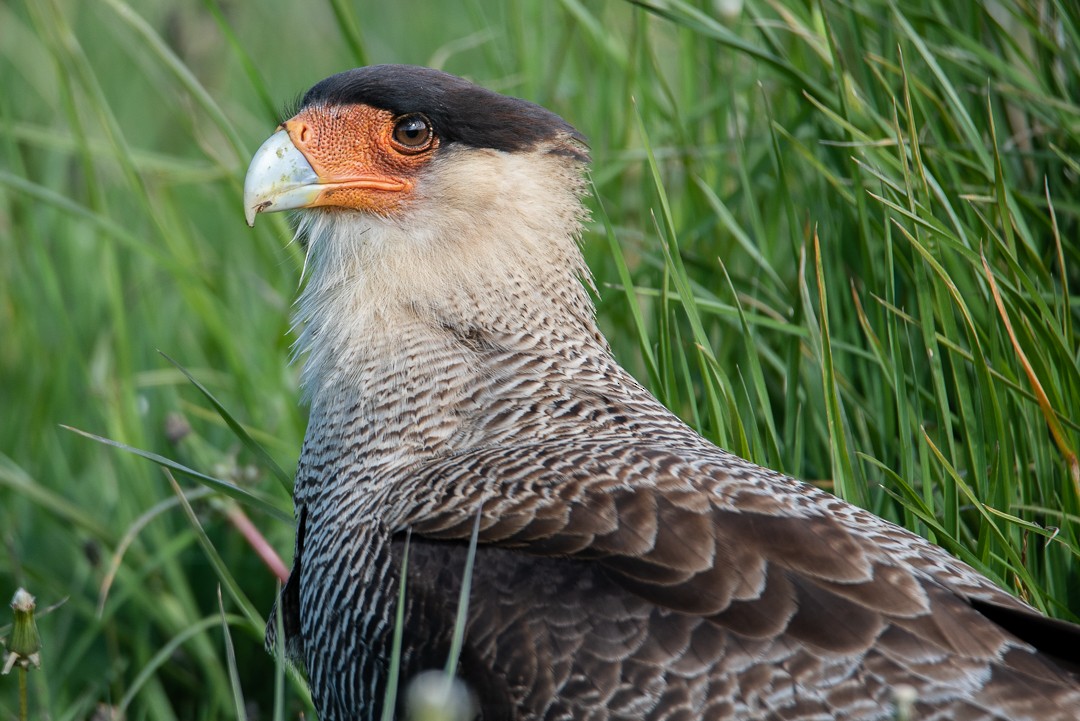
(692, 568)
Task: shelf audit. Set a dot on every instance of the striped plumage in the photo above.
(626, 568)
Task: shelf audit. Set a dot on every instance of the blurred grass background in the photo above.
(839, 238)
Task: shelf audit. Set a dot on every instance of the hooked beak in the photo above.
(279, 178)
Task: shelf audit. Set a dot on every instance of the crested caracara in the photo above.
(626, 568)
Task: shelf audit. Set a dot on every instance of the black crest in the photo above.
(461, 111)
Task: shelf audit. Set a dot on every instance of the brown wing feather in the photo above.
(798, 592)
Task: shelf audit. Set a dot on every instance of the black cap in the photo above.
(461, 111)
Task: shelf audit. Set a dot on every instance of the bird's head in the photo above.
(422, 193)
(369, 140)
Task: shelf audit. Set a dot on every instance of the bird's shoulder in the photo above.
(676, 507)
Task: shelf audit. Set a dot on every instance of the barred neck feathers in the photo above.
(487, 248)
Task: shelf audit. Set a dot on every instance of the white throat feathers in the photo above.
(491, 253)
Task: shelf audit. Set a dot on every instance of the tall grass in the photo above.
(839, 238)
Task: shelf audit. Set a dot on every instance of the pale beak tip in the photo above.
(279, 178)
(252, 209)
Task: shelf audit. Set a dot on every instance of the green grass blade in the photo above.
(238, 429)
(229, 489)
(258, 623)
(239, 706)
(394, 669)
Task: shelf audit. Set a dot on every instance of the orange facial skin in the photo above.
(366, 159)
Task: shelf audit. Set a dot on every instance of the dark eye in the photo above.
(412, 133)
